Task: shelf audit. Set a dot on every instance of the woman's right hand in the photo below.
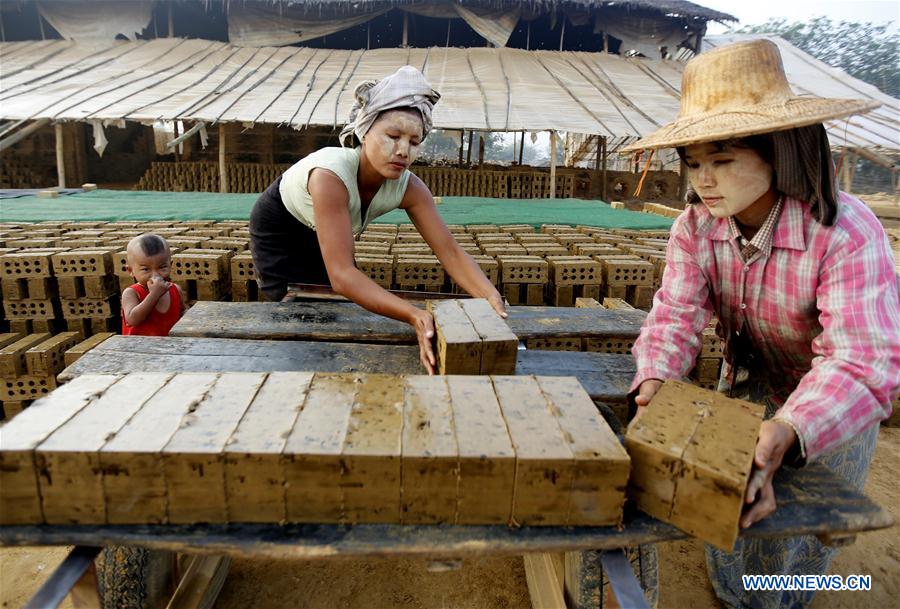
(423, 323)
(645, 393)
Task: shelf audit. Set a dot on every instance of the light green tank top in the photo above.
(344, 163)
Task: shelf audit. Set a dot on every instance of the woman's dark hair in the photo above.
(802, 164)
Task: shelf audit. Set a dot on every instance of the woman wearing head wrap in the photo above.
(302, 227)
(801, 278)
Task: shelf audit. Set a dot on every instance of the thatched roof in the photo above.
(677, 8)
(490, 89)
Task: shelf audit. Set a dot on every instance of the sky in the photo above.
(753, 12)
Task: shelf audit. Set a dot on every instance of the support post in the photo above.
(469, 151)
(223, 175)
(480, 149)
(521, 148)
(171, 21)
(562, 33)
(514, 148)
(553, 163)
(462, 135)
(528, 38)
(605, 153)
(598, 155)
(405, 29)
(60, 156)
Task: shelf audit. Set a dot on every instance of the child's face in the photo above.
(143, 267)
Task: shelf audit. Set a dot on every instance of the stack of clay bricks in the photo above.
(30, 300)
(88, 289)
(203, 274)
(709, 362)
(415, 265)
(28, 367)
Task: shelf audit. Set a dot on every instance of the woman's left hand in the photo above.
(775, 438)
(497, 302)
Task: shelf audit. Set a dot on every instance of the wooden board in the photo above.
(692, 454)
(202, 448)
(606, 377)
(347, 322)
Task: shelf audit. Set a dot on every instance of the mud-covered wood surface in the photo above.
(348, 322)
(606, 377)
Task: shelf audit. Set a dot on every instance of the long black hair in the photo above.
(802, 164)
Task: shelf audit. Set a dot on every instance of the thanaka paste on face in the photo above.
(403, 122)
(739, 183)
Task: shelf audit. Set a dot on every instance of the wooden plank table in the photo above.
(348, 322)
(606, 377)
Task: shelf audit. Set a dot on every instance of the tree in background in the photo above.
(866, 51)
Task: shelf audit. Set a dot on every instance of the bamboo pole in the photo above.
(562, 33)
(469, 151)
(197, 127)
(480, 149)
(553, 163)
(462, 137)
(223, 175)
(599, 153)
(171, 22)
(21, 134)
(60, 157)
(521, 148)
(605, 152)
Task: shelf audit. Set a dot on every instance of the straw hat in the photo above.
(740, 90)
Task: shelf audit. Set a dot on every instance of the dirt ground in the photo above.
(495, 583)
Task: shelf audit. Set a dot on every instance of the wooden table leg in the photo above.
(545, 575)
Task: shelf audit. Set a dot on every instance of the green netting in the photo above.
(111, 205)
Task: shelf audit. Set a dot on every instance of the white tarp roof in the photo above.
(483, 88)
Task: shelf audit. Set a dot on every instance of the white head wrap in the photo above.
(405, 88)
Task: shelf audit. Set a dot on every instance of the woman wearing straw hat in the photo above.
(802, 280)
(302, 226)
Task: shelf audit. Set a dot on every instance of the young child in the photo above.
(152, 305)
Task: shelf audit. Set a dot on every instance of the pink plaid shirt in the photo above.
(821, 306)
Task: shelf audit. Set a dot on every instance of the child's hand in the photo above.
(157, 286)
